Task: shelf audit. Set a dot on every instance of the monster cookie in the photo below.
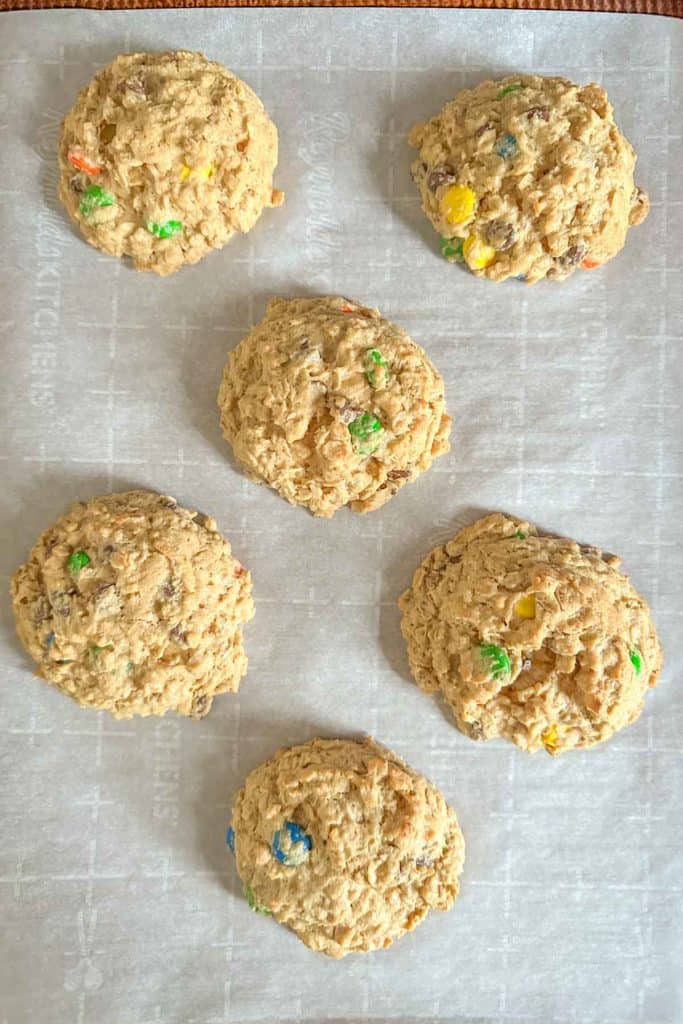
(134, 604)
(528, 177)
(332, 405)
(536, 639)
(165, 156)
(345, 844)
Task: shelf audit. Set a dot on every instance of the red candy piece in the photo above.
(83, 164)
(356, 309)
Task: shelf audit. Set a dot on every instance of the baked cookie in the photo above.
(165, 156)
(332, 405)
(528, 177)
(537, 639)
(133, 604)
(345, 844)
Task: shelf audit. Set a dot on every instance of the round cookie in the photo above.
(133, 604)
(539, 640)
(332, 405)
(165, 156)
(345, 844)
(528, 177)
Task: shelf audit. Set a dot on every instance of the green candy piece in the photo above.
(94, 197)
(451, 249)
(498, 658)
(254, 903)
(513, 87)
(373, 359)
(77, 560)
(519, 535)
(636, 660)
(95, 650)
(166, 230)
(365, 433)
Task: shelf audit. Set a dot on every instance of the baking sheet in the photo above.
(672, 8)
(120, 903)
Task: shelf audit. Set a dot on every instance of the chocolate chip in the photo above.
(475, 730)
(41, 611)
(107, 133)
(500, 234)
(540, 113)
(440, 176)
(346, 411)
(76, 184)
(169, 590)
(61, 603)
(398, 474)
(482, 129)
(136, 84)
(179, 634)
(573, 255)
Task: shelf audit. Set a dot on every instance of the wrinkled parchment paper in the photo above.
(120, 903)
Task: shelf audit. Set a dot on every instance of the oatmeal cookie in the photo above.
(539, 640)
(528, 177)
(133, 604)
(332, 405)
(345, 844)
(164, 157)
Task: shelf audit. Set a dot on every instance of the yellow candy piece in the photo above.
(203, 172)
(526, 607)
(549, 738)
(457, 204)
(477, 253)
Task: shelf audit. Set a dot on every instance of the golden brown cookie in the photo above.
(345, 844)
(165, 156)
(539, 640)
(133, 604)
(528, 177)
(332, 405)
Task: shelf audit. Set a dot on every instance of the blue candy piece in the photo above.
(291, 845)
(520, 277)
(49, 639)
(230, 838)
(506, 145)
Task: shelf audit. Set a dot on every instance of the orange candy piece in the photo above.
(83, 164)
(589, 264)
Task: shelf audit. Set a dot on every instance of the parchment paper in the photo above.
(120, 903)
